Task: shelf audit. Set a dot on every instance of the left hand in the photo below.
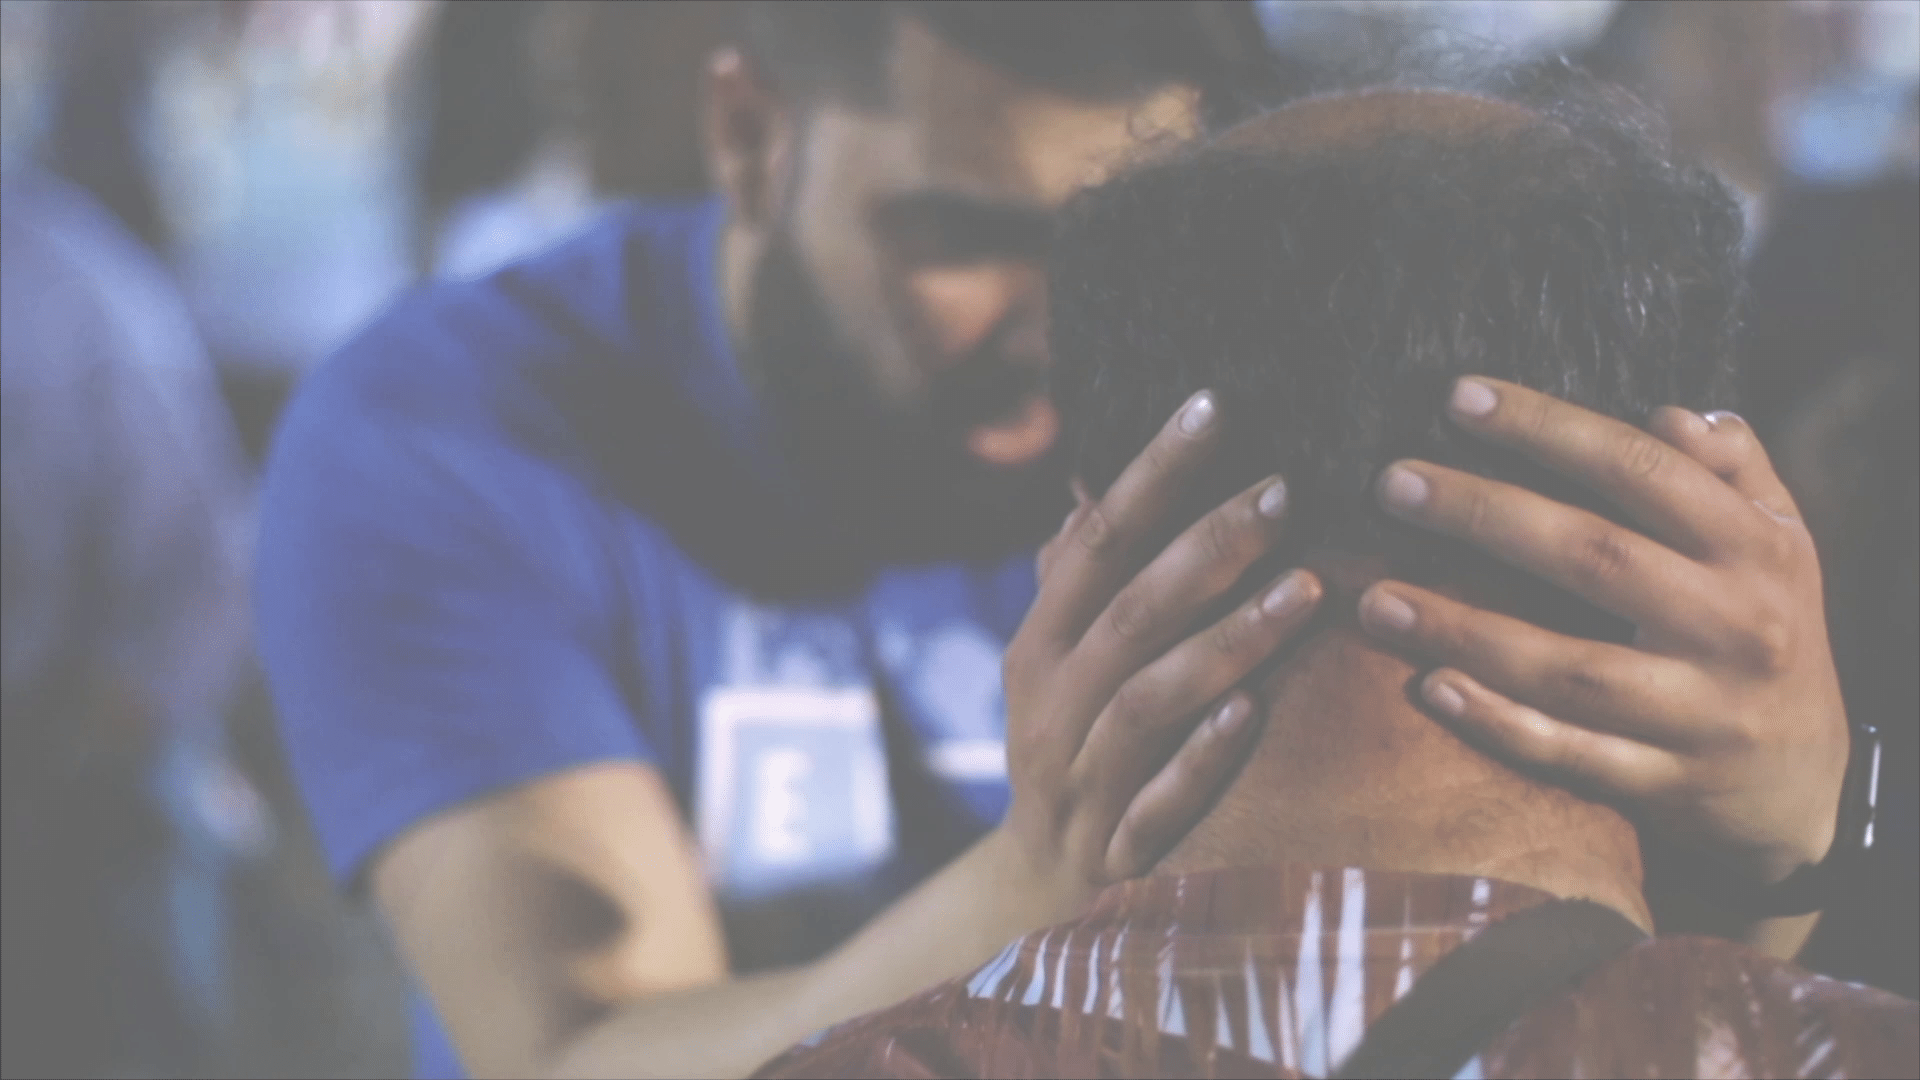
(1722, 724)
(1124, 720)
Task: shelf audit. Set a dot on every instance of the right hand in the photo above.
(1124, 724)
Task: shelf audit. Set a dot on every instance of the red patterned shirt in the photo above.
(1279, 971)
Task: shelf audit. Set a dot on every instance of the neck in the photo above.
(1350, 773)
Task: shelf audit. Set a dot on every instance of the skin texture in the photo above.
(888, 209)
(564, 928)
(1721, 726)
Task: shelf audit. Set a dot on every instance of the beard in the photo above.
(897, 484)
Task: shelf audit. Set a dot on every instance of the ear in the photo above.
(749, 135)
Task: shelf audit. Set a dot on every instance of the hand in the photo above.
(1123, 723)
(1722, 723)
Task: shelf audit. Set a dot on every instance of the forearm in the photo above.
(951, 923)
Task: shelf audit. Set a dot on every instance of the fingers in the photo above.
(1724, 444)
(1606, 764)
(1670, 493)
(1044, 559)
(1162, 602)
(1100, 547)
(1155, 709)
(1600, 686)
(1614, 567)
(1180, 794)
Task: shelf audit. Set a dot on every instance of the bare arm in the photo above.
(564, 928)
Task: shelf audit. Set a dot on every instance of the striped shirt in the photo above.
(1279, 971)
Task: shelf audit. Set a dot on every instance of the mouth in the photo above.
(1021, 437)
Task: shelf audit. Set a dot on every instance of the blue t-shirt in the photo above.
(505, 532)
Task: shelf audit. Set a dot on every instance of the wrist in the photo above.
(1799, 881)
(1033, 886)
(1775, 866)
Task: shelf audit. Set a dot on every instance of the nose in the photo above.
(965, 305)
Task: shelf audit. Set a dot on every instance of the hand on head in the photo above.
(1721, 724)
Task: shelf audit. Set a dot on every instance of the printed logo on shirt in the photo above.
(949, 677)
(793, 787)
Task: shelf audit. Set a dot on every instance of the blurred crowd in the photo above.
(203, 198)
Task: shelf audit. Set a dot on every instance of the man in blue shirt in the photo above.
(636, 614)
(706, 532)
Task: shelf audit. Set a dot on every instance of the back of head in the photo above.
(1330, 268)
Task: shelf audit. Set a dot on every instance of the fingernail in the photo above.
(1474, 399)
(1403, 489)
(1198, 414)
(1720, 416)
(1233, 714)
(1389, 611)
(1445, 698)
(1284, 597)
(1696, 424)
(1273, 501)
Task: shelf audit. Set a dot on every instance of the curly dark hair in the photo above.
(1330, 297)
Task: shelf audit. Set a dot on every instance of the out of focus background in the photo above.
(206, 196)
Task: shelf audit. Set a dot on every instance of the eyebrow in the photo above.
(955, 226)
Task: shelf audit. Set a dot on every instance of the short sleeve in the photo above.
(434, 614)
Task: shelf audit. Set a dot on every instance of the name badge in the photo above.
(793, 786)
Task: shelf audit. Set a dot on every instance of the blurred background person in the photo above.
(124, 522)
(539, 115)
(157, 919)
(698, 537)
(1807, 110)
(280, 136)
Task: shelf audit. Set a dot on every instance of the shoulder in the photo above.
(506, 354)
(467, 429)
(83, 294)
(1697, 1006)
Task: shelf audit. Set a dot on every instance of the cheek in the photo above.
(963, 305)
(865, 303)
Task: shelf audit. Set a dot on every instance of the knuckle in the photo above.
(1768, 642)
(1583, 687)
(1641, 457)
(1781, 546)
(1131, 617)
(1535, 417)
(1741, 734)
(1479, 513)
(1096, 533)
(1135, 708)
(1219, 538)
(1541, 740)
(1605, 556)
(1231, 635)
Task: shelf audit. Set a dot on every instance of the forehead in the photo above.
(956, 123)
